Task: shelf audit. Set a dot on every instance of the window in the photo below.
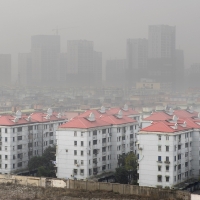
(50, 141)
(186, 145)
(82, 162)
(19, 129)
(75, 162)
(13, 157)
(174, 178)
(179, 156)
(186, 154)
(82, 171)
(13, 139)
(75, 134)
(81, 153)
(6, 157)
(159, 148)
(186, 164)
(19, 146)
(167, 159)
(159, 158)
(159, 137)
(30, 128)
(82, 143)
(159, 178)
(175, 168)
(19, 137)
(81, 134)
(75, 171)
(13, 166)
(179, 166)
(174, 147)
(167, 168)
(75, 152)
(6, 148)
(179, 146)
(19, 164)
(131, 128)
(30, 144)
(159, 168)
(6, 139)
(167, 137)
(51, 133)
(5, 130)
(167, 148)
(75, 143)
(167, 178)
(103, 131)
(6, 166)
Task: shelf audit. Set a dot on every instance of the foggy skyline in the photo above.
(108, 23)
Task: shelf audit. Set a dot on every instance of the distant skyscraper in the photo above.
(5, 67)
(62, 68)
(116, 72)
(162, 41)
(162, 53)
(136, 52)
(24, 69)
(45, 50)
(83, 63)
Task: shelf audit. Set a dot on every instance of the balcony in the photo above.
(94, 164)
(104, 144)
(167, 162)
(94, 155)
(94, 137)
(103, 162)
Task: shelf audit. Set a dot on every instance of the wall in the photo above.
(92, 186)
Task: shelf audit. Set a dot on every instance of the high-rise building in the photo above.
(83, 63)
(162, 40)
(137, 54)
(116, 72)
(62, 68)
(5, 67)
(162, 53)
(44, 50)
(24, 69)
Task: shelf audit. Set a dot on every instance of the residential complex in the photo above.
(168, 148)
(92, 142)
(25, 136)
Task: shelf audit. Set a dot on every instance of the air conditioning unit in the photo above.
(77, 165)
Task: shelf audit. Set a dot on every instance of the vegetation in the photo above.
(43, 163)
(127, 170)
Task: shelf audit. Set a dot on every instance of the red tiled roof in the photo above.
(158, 116)
(83, 123)
(113, 111)
(117, 121)
(185, 114)
(165, 127)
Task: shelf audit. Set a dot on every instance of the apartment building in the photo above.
(91, 143)
(168, 148)
(25, 136)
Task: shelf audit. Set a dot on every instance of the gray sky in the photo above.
(107, 22)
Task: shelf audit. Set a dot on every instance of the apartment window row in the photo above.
(160, 137)
(166, 148)
(160, 159)
(160, 178)
(166, 168)
(81, 153)
(76, 171)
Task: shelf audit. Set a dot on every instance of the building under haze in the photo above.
(116, 73)
(161, 53)
(84, 65)
(136, 55)
(24, 69)
(5, 67)
(44, 59)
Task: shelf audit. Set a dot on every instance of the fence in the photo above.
(92, 186)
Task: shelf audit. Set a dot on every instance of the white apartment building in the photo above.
(25, 136)
(91, 143)
(169, 148)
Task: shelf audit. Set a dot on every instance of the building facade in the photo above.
(90, 144)
(23, 137)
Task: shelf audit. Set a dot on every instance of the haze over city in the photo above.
(107, 23)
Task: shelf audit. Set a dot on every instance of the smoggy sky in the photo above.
(106, 22)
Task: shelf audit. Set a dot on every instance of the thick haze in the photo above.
(106, 22)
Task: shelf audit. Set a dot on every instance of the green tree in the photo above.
(128, 168)
(121, 175)
(44, 163)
